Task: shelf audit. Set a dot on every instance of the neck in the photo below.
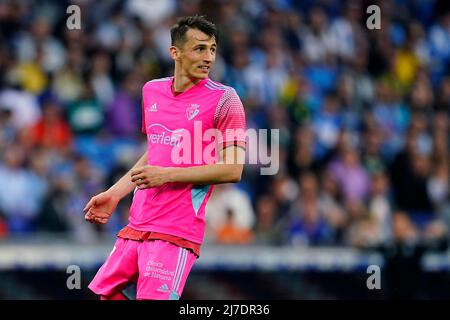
(182, 82)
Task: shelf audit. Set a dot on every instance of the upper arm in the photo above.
(232, 155)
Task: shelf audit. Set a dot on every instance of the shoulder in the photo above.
(156, 82)
(227, 94)
(217, 86)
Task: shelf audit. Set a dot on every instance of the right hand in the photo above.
(100, 208)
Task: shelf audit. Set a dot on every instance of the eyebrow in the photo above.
(208, 39)
(204, 45)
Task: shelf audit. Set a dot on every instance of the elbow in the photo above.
(235, 179)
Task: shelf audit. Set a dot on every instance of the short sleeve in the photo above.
(229, 120)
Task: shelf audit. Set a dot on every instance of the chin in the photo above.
(203, 76)
(200, 75)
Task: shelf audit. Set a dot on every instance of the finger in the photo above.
(89, 218)
(136, 171)
(142, 182)
(140, 179)
(99, 213)
(138, 176)
(100, 220)
(90, 204)
(144, 185)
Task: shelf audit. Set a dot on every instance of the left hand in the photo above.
(149, 176)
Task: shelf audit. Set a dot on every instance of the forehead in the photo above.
(195, 36)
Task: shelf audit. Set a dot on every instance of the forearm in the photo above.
(207, 174)
(124, 186)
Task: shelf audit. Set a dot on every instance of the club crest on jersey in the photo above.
(192, 111)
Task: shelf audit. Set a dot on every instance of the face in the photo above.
(197, 54)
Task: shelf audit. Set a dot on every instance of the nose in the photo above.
(208, 57)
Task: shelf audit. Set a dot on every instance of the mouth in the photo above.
(204, 68)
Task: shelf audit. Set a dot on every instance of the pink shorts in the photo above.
(159, 268)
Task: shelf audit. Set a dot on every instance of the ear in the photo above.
(174, 52)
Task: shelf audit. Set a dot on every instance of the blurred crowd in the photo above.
(363, 115)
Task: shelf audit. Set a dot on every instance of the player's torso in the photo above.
(170, 120)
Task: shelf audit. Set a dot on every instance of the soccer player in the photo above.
(159, 246)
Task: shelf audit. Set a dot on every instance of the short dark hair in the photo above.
(178, 31)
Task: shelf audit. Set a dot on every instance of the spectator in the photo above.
(39, 40)
(23, 105)
(306, 224)
(52, 131)
(330, 199)
(68, 81)
(351, 175)
(101, 80)
(316, 39)
(231, 233)
(328, 122)
(125, 110)
(404, 255)
(268, 229)
(380, 206)
(15, 186)
(86, 115)
(228, 198)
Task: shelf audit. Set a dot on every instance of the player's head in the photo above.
(194, 44)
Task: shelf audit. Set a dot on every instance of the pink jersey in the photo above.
(169, 121)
